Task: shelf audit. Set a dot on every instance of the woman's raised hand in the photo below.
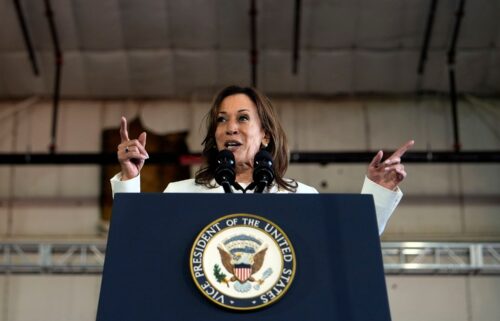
(390, 172)
(131, 153)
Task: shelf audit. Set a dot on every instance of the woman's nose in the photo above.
(232, 128)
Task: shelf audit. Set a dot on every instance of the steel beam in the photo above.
(427, 258)
(323, 158)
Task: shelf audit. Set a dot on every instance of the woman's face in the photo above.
(239, 128)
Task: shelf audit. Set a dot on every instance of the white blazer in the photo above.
(385, 199)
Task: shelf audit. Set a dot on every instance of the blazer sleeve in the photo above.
(385, 201)
(129, 186)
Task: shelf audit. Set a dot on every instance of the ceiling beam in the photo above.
(323, 158)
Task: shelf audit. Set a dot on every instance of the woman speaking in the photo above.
(244, 122)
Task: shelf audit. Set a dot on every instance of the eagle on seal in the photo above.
(242, 260)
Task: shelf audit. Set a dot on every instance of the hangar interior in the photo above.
(345, 76)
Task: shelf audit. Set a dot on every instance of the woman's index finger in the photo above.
(123, 130)
(401, 150)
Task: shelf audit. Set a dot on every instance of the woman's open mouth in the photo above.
(232, 145)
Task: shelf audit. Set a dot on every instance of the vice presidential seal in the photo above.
(242, 262)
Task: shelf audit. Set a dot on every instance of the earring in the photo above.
(263, 146)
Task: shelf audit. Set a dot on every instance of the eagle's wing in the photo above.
(258, 260)
(226, 260)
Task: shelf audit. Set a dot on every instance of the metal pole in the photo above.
(57, 79)
(451, 73)
(425, 44)
(26, 36)
(296, 36)
(253, 41)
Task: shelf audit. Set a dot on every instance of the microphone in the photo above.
(225, 173)
(263, 172)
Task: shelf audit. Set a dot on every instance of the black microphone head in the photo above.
(225, 156)
(225, 170)
(263, 155)
(263, 170)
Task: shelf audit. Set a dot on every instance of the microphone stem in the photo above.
(260, 186)
(227, 187)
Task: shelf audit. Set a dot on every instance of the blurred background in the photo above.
(348, 78)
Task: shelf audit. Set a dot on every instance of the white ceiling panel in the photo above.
(278, 33)
(406, 64)
(74, 81)
(444, 20)
(414, 21)
(193, 24)
(393, 71)
(330, 72)
(145, 24)
(17, 76)
(39, 26)
(329, 24)
(99, 24)
(379, 24)
(233, 68)
(233, 24)
(496, 43)
(174, 48)
(10, 30)
(64, 19)
(375, 71)
(47, 69)
(194, 71)
(107, 74)
(151, 73)
(480, 24)
(493, 78)
(436, 72)
(471, 70)
(276, 73)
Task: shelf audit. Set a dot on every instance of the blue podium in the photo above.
(339, 269)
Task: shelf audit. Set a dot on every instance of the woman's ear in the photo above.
(265, 140)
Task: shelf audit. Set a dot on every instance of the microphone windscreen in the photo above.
(263, 171)
(263, 156)
(225, 156)
(263, 159)
(225, 170)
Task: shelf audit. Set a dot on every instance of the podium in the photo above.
(339, 269)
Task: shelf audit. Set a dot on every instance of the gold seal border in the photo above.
(294, 263)
(227, 229)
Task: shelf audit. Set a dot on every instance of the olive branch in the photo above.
(219, 275)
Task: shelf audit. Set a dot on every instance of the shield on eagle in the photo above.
(242, 272)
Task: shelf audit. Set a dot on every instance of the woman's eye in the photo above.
(243, 117)
(220, 119)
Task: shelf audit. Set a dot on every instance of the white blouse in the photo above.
(385, 199)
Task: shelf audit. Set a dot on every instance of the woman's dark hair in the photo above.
(277, 146)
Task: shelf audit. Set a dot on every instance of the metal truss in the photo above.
(65, 258)
(399, 258)
(441, 258)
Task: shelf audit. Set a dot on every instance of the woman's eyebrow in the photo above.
(239, 111)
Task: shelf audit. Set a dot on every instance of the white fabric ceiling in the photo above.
(178, 48)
